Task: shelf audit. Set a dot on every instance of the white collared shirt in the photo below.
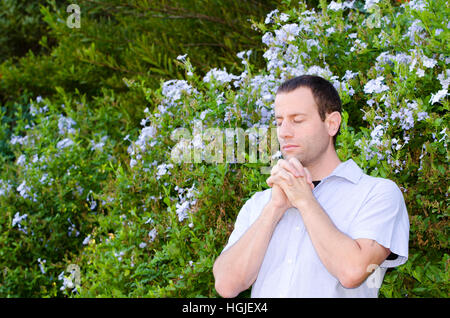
(360, 206)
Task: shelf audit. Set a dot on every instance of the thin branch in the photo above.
(204, 44)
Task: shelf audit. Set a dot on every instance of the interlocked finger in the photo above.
(305, 172)
(285, 165)
(284, 175)
(297, 165)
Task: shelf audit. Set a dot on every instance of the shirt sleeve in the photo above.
(384, 218)
(243, 222)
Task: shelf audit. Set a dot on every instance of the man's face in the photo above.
(301, 132)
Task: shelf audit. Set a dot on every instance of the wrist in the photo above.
(273, 211)
(276, 205)
(304, 204)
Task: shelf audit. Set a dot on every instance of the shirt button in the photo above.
(297, 228)
(289, 261)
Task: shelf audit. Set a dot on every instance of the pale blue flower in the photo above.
(284, 17)
(270, 15)
(418, 5)
(65, 125)
(86, 240)
(24, 190)
(41, 265)
(5, 187)
(21, 160)
(428, 62)
(375, 86)
(369, 4)
(182, 58)
(335, 6)
(152, 234)
(119, 255)
(221, 76)
(435, 98)
(162, 169)
(18, 219)
(66, 142)
(420, 73)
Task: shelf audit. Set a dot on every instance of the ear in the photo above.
(333, 122)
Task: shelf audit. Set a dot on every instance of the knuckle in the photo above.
(287, 166)
(274, 170)
(294, 162)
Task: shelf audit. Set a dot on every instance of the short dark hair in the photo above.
(325, 95)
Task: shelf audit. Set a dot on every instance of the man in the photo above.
(331, 237)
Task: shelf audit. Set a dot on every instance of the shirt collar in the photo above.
(348, 170)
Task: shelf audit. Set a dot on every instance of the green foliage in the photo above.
(101, 193)
(138, 39)
(22, 27)
(62, 164)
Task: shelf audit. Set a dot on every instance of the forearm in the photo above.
(237, 268)
(338, 252)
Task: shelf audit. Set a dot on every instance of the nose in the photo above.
(285, 130)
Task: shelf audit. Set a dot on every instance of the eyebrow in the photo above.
(291, 115)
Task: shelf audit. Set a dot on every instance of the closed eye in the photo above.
(295, 121)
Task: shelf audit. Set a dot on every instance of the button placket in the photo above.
(294, 238)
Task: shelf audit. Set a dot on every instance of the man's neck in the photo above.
(324, 167)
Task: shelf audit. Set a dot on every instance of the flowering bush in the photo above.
(160, 222)
(390, 68)
(49, 196)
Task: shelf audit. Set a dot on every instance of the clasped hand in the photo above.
(291, 183)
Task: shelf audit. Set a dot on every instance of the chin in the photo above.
(287, 156)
